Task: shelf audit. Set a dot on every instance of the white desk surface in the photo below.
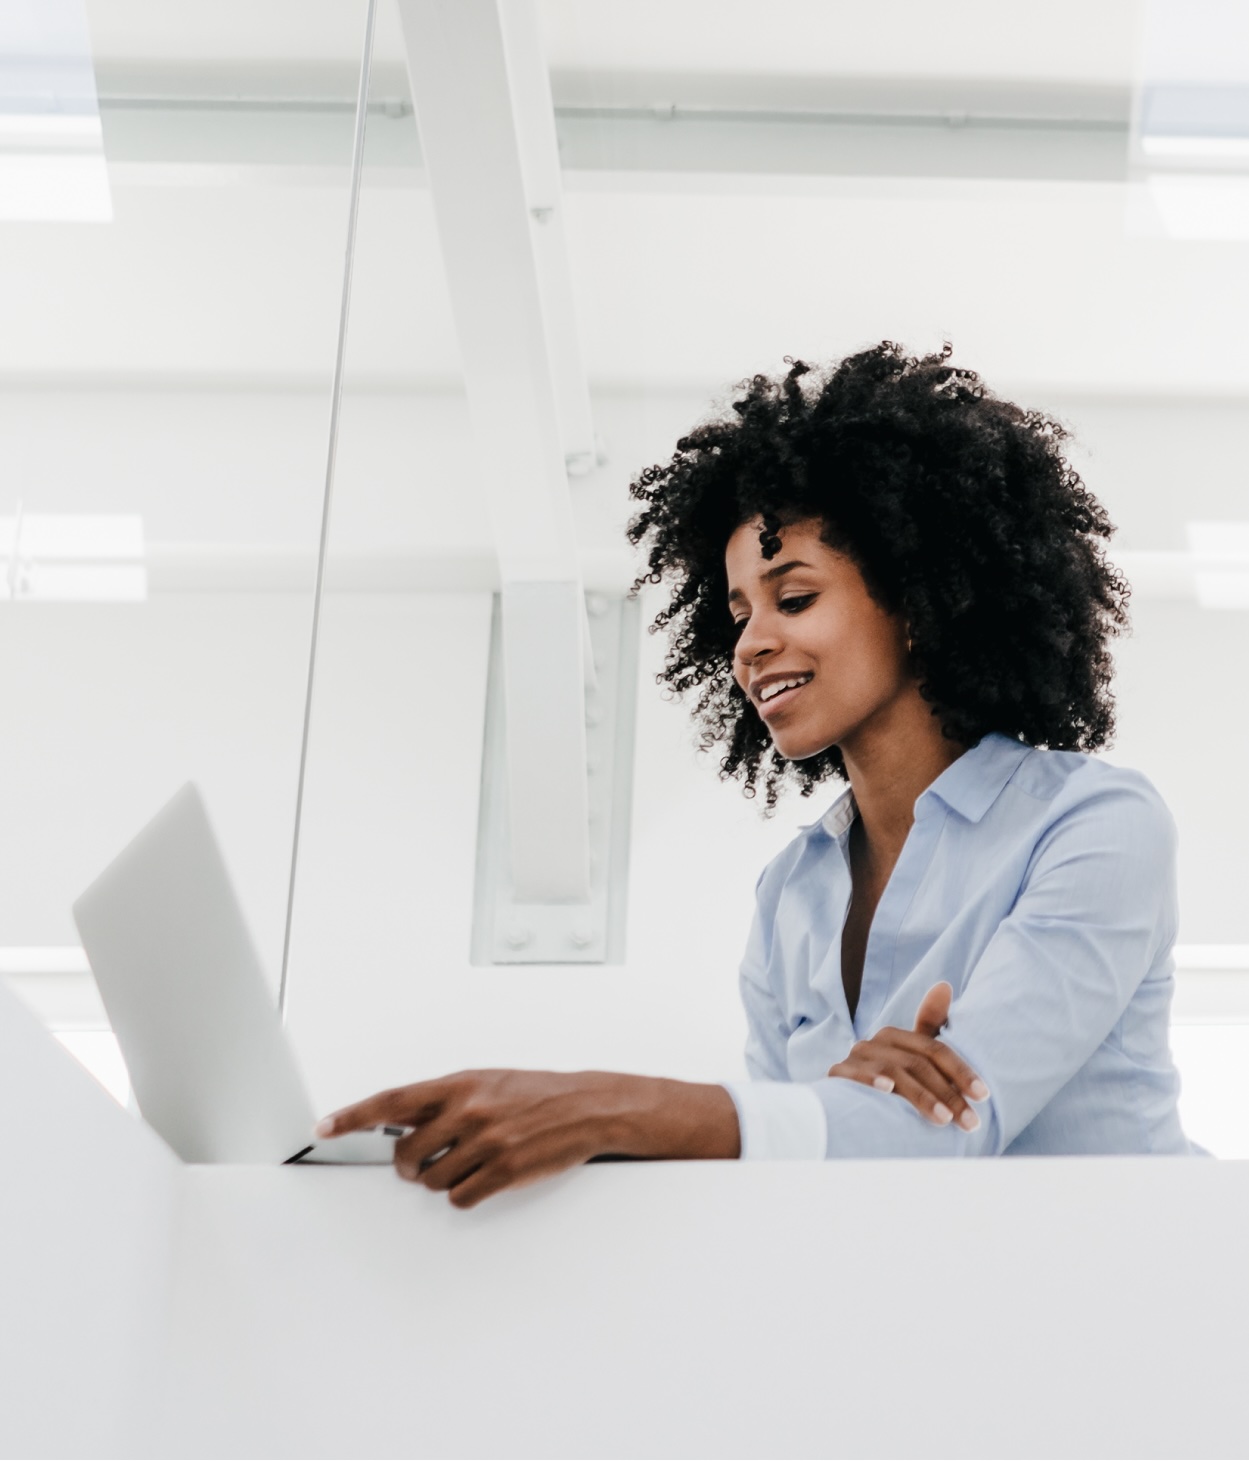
(1057, 1307)
(1052, 1307)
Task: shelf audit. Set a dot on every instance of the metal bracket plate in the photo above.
(506, 931)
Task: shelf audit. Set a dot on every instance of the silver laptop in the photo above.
(210, 1065)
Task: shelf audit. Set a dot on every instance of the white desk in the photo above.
(1061, 1307)
(1013, 1308)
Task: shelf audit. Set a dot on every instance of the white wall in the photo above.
(1183, 713)
(1160, 463)
(108, 709)
(246, 466)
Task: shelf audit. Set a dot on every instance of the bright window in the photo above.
(1213, 1061)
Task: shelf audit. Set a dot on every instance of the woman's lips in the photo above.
(768, 708)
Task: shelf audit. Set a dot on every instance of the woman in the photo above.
(888, 576)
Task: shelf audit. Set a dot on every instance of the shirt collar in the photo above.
(968, 786)
(839, 816)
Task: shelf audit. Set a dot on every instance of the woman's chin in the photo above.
(799, 748)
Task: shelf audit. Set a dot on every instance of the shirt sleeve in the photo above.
(1096, 909)
(777, 1119)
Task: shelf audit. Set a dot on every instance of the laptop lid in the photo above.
(186, 995)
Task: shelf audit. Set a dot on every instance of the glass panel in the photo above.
(385, 869)
(166, 371)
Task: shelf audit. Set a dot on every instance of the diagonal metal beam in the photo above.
(480, 172)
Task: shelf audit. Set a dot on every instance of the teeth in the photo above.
(769, 691)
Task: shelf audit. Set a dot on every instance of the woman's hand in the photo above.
(914, 1064)
(480, 1131)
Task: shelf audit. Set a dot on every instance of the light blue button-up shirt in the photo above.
(1041, 885)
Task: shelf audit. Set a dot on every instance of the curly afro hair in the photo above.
(958, 508)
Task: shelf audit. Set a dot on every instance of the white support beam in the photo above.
(465, 98)
(462, 95)
(534, 112)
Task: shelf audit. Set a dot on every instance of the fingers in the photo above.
(891, 1049)
(441, 1173)
(934, 1009)
(865, 1071)
(483, 1183)
(471, 1170)
(501, 1171)
(925, 1072)
(402, 1106)
(931, 1070)
(935, 1099)
(958, 1072)
(955, 1070)
(414, 1152)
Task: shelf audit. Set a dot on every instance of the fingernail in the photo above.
(883, 1083)
(943, 1114)
(969, 1121)
(978, 1090)
(324, 1127)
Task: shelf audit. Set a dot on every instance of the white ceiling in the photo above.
(1068, 40)
(681, 279)
(235, 30)
(1061, 40)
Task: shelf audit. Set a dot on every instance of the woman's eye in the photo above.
(794, 605)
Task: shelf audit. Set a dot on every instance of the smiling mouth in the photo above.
(769, 707)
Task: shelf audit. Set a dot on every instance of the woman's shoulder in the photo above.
(1075, 781)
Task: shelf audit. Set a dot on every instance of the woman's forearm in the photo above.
(650, 1116)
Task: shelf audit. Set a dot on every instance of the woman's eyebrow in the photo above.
(735, 594)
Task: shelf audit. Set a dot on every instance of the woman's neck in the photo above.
(889, 765)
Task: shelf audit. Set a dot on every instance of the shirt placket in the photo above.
(895, 902)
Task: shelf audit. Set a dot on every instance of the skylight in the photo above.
(1192, 118)
(52, 165)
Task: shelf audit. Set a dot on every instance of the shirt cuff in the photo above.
(779, 1121)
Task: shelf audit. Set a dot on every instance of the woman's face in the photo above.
(806, 616)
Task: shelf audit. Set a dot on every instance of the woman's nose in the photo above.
(758, 637)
